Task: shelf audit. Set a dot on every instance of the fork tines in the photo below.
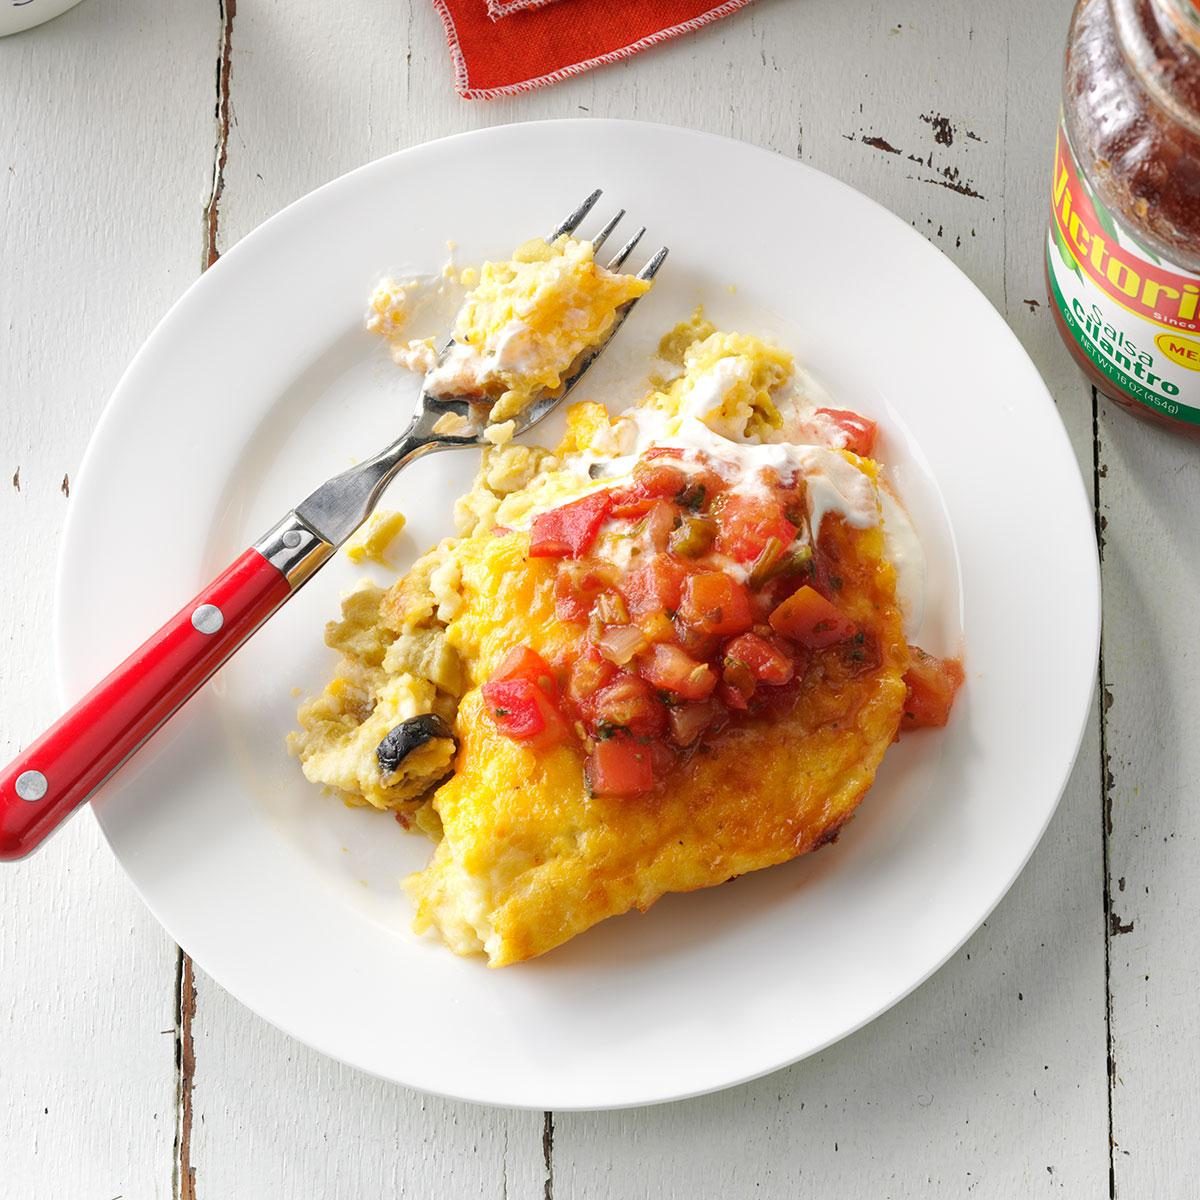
(576, 218)
(579, 215)
(602, 236)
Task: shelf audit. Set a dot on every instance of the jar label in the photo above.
(1134, 314)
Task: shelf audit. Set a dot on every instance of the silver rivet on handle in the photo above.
(207, 618)
(31, 785)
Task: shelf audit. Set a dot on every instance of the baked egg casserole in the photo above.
(668, 652)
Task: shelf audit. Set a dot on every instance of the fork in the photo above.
(86, 746)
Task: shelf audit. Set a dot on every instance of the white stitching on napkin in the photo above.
(462, 84)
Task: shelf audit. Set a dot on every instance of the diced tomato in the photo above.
(808, 618)
(521, 710)
(655, 587)
(860, 431)
(620, 767)
(689, 721)
(669, 668)
(737, 675)
(660, 475)
(715, 603)
(657, 627)
(513, 706)
(568, 531)
(628, 703)
(732, 697)
(652, 481)
(768, 662)
(699, 469)
(701, 646)
(590, 672)
(932, 684)
(630, 503)
(571, 604)
(657, 476)
(522, 663)
(746, 523)
(522, 699)
(577, 587)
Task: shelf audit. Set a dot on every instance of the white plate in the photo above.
(261, 381)
(17, 15)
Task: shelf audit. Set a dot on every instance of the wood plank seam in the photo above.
(184, 1171)
(548, 1154)
(1111, 923)
(212, 210)
(183, 1174)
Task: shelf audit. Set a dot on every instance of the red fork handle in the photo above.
(60, 770)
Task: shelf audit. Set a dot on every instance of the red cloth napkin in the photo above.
(502, 47)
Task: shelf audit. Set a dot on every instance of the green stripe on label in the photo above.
(1127, 384)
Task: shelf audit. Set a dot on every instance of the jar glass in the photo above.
(1123, 255)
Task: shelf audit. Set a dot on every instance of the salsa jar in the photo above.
(1123, 250)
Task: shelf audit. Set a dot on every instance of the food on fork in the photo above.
(520, 329)
(670, 652)
(391, 306)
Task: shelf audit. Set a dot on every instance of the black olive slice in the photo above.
(408, 736)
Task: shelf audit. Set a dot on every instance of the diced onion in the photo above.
(621, 643)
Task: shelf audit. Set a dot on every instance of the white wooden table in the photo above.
(1057, 1054)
